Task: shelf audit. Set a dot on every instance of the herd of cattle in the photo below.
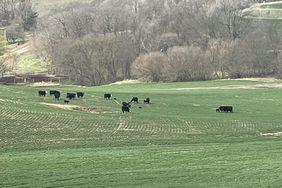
(57, 95)
(70, 96)
(125, 105)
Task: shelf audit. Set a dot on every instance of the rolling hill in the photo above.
(272, 10)
(44, 7)
(177, 141)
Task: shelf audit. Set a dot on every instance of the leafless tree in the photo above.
(149, 67)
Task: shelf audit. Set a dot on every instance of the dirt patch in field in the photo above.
(260, 79)
(78, 108)
(255, 86)
(271, 134)
(269, 85)
(44, 84)
(126, 82)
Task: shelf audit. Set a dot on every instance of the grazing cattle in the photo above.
(134, 99)
(80, 94)
(57, 95)
(224, 109)
(42, 93)
(52, 92)
(125, 109)
(107, 96)
(140, 107)
(66, 101)
(147, 100)
(71, 96)
(126, 104)
(115, 98)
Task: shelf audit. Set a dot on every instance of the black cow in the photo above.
(80, 94)
(134, 99)
(52, 92)
(66, 101)
(42, 93)
(71, 96)
(107, 96)
(125, 103)
(147, 100)
(125, 109)
(57, 95)
(224, 109)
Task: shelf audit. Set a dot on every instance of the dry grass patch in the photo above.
(255, 86)
(45, 84)
(126, 82)
(271, 134)
(78, 108)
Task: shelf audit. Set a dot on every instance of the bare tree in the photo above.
(174, 40)
(149, 67)
(217, 55)
(187, 63)
(4, 67)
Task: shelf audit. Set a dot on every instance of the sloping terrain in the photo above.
(45, 6)
(271, 10)
(176, 141)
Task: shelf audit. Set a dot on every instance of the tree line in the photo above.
(159, 40)
(17, 17)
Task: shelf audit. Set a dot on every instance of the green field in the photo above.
(177, 141)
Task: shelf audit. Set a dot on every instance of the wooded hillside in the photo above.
(105, 41)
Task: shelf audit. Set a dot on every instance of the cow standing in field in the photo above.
(42, 93)
(126, 104)
(57, 95)
(80, 94)
(107, 96)
(147, 100)
(224, 109)
(134, 99)
(52, 92)
(71, 96)
(125, 107)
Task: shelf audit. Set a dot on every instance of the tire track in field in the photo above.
(120, 124)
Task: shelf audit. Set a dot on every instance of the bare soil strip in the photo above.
(78, 108)
(271, 134)
(256, 86)
(44, 84)
(126, 82)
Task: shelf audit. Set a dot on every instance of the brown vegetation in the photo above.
(107, 41)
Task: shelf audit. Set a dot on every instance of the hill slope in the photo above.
(178, 140)
(44, 7)
(271, 10)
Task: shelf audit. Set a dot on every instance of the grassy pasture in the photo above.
(177, 141)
